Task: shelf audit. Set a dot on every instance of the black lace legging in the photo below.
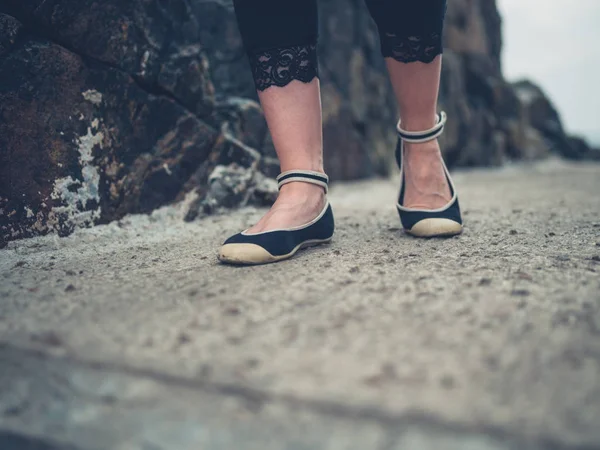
(280, 36)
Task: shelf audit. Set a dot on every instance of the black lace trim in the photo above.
(412, 48)
(279, 66)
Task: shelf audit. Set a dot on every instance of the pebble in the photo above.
(524, 276)
(447, 382)
(485, 282)
(232, 311)
(49, 338)
(183, 338)
(520, 293)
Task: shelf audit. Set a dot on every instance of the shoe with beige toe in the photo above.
(277, 245)
(441, 222)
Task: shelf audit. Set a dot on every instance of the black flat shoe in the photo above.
(445, 221)
(276, 245)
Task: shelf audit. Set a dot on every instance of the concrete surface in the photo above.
(132, 336)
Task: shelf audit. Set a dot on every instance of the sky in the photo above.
(557, 45)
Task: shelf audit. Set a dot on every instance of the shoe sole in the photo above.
(428, 228)
(252, 254)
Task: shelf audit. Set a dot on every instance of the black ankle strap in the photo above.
(424, 136)
(305, 176)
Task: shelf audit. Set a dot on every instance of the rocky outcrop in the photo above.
(158, 103)
(98, 122)
(490, 120)
(545, 124)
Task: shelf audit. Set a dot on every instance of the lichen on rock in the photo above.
(80, 198)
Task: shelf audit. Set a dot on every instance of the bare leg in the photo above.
(293, 114)
(280, 38)
(411, 42)
(416, 86)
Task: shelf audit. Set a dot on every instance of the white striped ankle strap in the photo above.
(423, 136)
(305, 176)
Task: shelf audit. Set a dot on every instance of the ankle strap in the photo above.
(305, 176)
(423, 136)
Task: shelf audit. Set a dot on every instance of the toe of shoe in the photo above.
(245, 254)
(435, 227)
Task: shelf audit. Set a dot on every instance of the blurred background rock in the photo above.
(109, 108)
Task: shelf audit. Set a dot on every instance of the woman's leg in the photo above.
(280, 39)
(411, 42)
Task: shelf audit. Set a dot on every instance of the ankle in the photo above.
(422, 150)
(302, 192)
(419, 122)
(422, 159)
(313, 166)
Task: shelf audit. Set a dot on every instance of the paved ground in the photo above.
(132, 336)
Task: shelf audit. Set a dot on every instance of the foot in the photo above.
(425, 182)
(297, 204)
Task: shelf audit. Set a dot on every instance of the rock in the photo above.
(578, 148)
(360, 112)
(541, 116)
(87, 143)
(269, 166)
(233, 185)
(9, 32)
(474, 28)
(265, 190)
(233, 151)
(236, 180)
(158, 45)
(88, 136)
(243, 119)
(520, 293)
